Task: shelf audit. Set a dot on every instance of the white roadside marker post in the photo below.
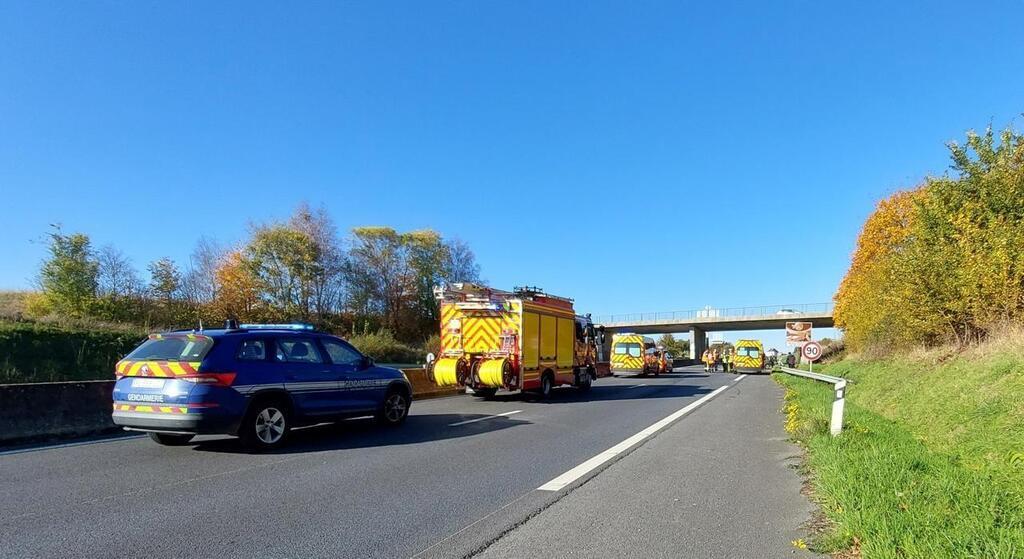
(836, 423)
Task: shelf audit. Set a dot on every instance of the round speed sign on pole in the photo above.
(811, 351)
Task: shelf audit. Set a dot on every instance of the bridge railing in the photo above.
(774, 311)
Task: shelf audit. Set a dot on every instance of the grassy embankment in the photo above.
(931, 461)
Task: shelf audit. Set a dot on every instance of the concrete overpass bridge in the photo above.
(699, 322)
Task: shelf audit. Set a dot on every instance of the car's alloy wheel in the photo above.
(270, 426)
(395, 408)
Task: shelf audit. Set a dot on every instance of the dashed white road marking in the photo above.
(739, 378)
(506, 414)
(595, 462)
(635, 386)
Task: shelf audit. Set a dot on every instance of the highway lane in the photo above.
(720, 483)
(351, 490)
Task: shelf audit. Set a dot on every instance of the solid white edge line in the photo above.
(635, 386)
(30, 447)
(506, 414)
(593, 463)
(739, 378)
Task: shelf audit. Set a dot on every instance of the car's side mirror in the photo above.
(368, 362)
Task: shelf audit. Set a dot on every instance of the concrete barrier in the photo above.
(423, 388)
(56, 410)
(46, 410)
(678, 362)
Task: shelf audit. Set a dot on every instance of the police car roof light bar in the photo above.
(296, 326)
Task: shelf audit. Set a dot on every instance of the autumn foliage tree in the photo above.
(292, 270)
(238, 290)
(944, 261)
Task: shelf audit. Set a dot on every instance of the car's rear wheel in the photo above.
(266, 426)
(168, 439)
(394, 409)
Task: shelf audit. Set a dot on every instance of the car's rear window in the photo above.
(632, 349)
(172, 348)
(748, 351)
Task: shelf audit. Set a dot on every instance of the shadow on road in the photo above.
(366, 433)
(566, 395)
(676, 374)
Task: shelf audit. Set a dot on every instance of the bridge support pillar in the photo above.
(698, 342)
(604, 351)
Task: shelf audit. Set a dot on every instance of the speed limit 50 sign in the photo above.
(811, 351)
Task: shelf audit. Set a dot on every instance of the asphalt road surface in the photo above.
(684, 465)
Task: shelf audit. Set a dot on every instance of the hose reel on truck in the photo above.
(449, 371)
(495, 373)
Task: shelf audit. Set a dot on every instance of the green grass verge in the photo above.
(888, 492)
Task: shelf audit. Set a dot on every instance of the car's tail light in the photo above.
(211, 379)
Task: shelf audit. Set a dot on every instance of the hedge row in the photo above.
(41, 352)
(45, 352)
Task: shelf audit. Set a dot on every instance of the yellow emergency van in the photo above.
(633, 354)
(748, 356)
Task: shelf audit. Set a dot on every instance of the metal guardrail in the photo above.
(838, 405)
(774, 311)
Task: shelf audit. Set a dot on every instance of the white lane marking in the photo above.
(44, 446)
(588, 466)
(506, 414)
(635, 386)
(739, 378)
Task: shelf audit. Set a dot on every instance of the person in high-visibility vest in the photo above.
(706, 358)
(727, 361)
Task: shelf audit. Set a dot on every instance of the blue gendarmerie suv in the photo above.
(256, 381)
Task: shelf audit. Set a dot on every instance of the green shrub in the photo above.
(12, 303)
(432, 345)
(385, 348)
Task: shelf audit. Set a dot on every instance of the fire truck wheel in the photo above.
(485, 393)
(547, 384)
(585, 381)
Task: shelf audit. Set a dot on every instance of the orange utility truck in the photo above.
(523, 340)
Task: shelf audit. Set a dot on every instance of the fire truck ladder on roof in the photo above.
(471, 291)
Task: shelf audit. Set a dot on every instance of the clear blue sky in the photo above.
(599, 150)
